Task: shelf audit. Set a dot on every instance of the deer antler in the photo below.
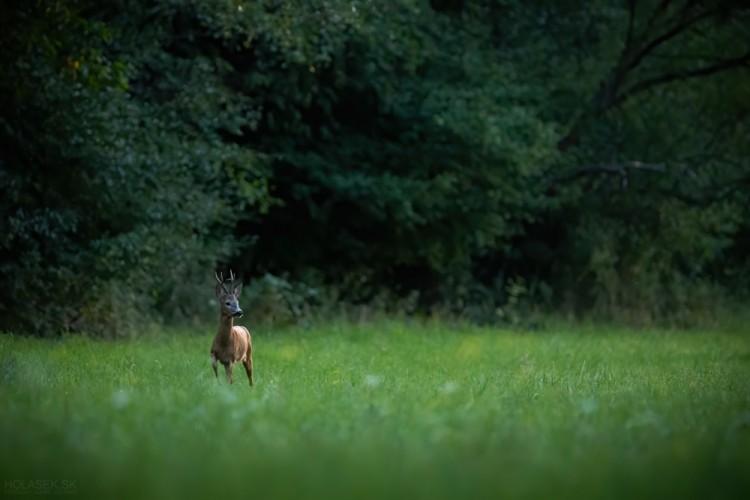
(231, 277)
(220, 279)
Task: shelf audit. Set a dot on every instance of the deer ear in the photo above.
(219, 291)
(237, 291)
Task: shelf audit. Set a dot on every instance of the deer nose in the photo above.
(238, 313)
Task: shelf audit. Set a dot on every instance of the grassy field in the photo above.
(395, 410)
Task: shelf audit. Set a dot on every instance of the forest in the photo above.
(486, 160)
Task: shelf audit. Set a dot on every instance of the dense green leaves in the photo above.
(114, 199)
(473, 154)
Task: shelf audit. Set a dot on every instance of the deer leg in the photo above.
(214, 362)
(228, 368)
(249, 369)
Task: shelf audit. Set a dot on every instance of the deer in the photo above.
(231, 344)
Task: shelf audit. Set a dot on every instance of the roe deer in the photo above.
(232, 343)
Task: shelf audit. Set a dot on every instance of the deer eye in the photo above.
(226, 303)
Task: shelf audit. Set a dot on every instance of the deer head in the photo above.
(228, 300)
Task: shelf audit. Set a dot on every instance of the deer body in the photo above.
(231, 344)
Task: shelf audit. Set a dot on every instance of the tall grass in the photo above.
(390, 410)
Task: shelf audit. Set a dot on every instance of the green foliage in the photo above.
(437, 153)
(383, 177)
(650, 241)
(114, 200)
(387, 410)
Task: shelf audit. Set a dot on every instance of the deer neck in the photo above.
(225, 328)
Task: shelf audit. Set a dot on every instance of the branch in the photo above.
(653, 44)
(606, 97)
(646, 84)
(620, 169)
(609, 94)
(713, 194)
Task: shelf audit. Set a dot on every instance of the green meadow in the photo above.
(387, 410)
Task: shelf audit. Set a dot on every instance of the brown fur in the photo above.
(232, 344)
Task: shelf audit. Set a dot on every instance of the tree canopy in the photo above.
(446, 155)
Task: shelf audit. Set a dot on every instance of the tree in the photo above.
(113, 201)
(471, 153)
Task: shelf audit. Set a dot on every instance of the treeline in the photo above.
(473, 158)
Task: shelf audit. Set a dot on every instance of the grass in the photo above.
(393, 410)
